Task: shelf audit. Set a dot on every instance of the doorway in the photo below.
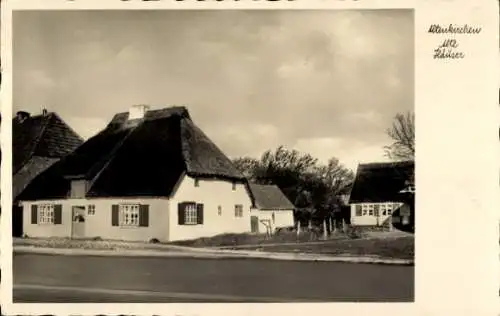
(254, 224)
(78, 222)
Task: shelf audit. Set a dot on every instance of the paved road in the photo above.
(47, 278)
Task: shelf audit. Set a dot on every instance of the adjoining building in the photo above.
(377, 192)
(38, 142)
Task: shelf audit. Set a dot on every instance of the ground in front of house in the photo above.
(386, 245)
(71, 279)
(394, 248)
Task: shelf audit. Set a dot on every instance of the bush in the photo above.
(154, 241)
(97, 238)
(286, 229)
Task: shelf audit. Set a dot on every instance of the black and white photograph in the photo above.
(213, 156)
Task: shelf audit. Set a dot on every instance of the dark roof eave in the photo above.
(291, 208)
(214, 176)
(76, 177)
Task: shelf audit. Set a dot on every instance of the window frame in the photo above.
(238, 210)
(43, 217)
(132, 209)
(91, 209)
(191, 214)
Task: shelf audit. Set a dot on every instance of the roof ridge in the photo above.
(55, 115)
(39, 136)
(388, 163)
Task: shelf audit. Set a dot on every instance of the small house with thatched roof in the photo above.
(376, 192)
(149, 175)
(271, 209)
(38, 141)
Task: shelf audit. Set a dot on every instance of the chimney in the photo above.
(22, 116)
(137, 111)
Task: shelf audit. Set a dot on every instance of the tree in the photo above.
(402, 133)
(335, 181)
(247, 166)
(312, 187)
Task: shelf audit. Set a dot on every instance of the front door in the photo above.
(254, 223)
(78, 223)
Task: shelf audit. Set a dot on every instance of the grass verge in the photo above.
(394, 248)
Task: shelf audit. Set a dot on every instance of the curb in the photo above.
(209, 255)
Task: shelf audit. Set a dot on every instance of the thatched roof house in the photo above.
(154, 172)
(381, 182)
(138, 157)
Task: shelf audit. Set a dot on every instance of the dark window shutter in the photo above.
(181, 214)
(144, 215)
(34, 214)
(57, 214)
(114, 214)
(199, 213)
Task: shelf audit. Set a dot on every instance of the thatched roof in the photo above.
(37, 143)
(142, 157)
(269, 197)
(381, 182)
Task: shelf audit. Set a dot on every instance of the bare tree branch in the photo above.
(402, 132)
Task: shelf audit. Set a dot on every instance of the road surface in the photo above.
(68, 279)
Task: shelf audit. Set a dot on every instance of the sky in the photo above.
(324, 82)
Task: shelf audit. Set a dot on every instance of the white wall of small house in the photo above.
(368, 218)
(212, 193)
(99, 224)
(282, 218)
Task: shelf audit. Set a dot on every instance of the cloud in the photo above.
(251, 79)
(86, 127)
(349, 154)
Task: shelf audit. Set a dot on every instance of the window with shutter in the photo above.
(190, 214)
(129, 215)
(45, 213)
